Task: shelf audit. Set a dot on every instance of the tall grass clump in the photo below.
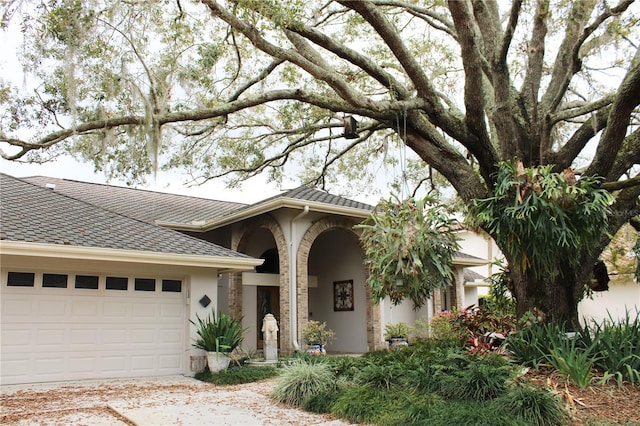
(617, 347)
(532, 405)
(474, 377)
(300, 381)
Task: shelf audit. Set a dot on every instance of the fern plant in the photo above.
(409, 249)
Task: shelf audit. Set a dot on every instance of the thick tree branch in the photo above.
(580, 110)
(627, 99)
(621, 184)
(578, 140)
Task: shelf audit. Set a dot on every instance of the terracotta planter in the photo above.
(217, 361)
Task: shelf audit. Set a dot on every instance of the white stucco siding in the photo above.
(623, 295)
(480, 246)
(336, 256)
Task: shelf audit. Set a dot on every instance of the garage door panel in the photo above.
(66, 334)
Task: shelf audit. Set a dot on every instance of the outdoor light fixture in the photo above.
(205, 301)
(350, 128)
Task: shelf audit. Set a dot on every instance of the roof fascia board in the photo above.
(266, 207)
(225, 264)
(462, 261)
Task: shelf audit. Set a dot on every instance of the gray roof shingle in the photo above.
(311, 194)
(31, 213)
(148, 206)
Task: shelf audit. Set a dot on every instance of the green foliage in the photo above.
(472, 377)
(500, 299)
(300, 381)
(400, 329)
(617, 347)
(471, 413)
(218, 333)
(541, 219)
(380, 376)
(317, 332)
(238, 375)
(371, 405)
(533, 406)
(446, 328)
(409, 249)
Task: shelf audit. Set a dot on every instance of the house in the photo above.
(90, 293)
(295, 255)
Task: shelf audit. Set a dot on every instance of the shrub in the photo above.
(400, 329)
(372, 405)
(481, 378)
(238, 375)
(474, 413)
(317, 333)
(218, 333)
(321, 402)
(616, 346)
(379, 376)
(535, 406)
(445, 327)
(300, 380)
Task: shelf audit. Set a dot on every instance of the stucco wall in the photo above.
(623, 295)
(336, 256)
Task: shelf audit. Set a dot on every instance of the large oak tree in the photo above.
(237, 88)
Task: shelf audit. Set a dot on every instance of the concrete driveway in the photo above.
(174, 400)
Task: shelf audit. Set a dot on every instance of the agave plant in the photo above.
(218, 333)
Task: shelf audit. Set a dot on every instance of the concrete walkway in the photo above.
(174, 400)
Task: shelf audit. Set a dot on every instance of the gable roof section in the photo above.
(36, 216)
(298, 198)
(148, 206)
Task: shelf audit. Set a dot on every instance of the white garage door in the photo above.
(53, 334)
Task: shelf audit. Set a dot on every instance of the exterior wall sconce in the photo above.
(350, 128)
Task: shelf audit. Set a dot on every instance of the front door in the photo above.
(268, 303)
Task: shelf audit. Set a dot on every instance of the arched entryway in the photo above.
(331, 258)
(268, 288)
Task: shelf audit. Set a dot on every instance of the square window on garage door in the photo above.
(117, 283)
(145, 284)
(172, 286)
(21, 279)
(54, 280)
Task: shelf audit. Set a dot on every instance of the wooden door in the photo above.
(268, 298)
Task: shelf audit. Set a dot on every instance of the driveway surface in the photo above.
(174, 400)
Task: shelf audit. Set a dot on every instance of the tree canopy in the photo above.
(240, 87)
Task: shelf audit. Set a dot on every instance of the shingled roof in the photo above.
(30, 213)
(307, 193)
(145, 205)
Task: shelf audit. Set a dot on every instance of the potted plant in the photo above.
(218, 335)
(316, 336)
(397, 335)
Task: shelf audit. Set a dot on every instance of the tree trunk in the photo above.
(557, 298)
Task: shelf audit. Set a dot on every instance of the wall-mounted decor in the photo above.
(343, 295)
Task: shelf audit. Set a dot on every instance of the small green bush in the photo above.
(379, 376)
(535, 406)
(476, 413)
(238, 375)
(616, 346)
(321, 402)
(300, 380)
(373, 405)
(482, 377)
